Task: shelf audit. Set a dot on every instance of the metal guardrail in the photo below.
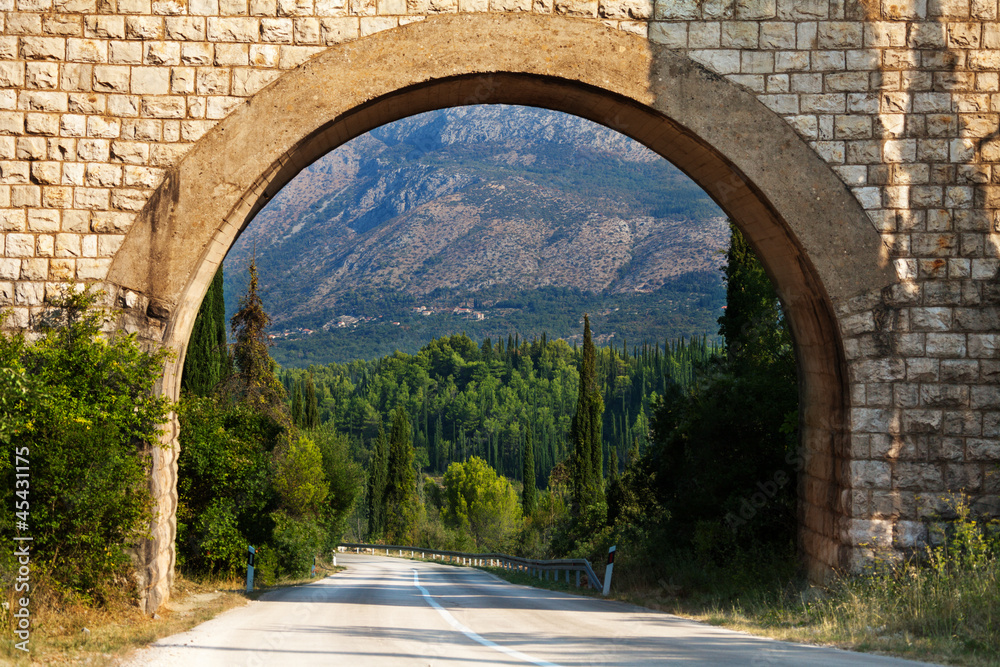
(537, 568)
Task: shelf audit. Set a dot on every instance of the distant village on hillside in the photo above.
(352, 322)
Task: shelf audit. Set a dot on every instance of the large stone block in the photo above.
(870, 474)
(870, 532)
(672, 10)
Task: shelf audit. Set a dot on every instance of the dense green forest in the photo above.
(568, 447)
(467, 399)
(685, 307)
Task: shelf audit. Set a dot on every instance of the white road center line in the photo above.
(472, 635)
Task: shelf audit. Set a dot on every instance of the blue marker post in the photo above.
(312, 572)
(250, 554)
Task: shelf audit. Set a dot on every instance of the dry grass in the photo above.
(65, 632)
(945, 610)
(68, 632)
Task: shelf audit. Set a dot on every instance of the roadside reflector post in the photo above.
(609, 569)
(250, 553)
(312, 572)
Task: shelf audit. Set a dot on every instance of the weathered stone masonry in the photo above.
(100, 102)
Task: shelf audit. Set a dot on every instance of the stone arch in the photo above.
(817, 243)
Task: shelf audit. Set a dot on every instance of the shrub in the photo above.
(223, 475)
(82, 409)
(298, 478)
(296, 541)
(223, 549)
(482, 503)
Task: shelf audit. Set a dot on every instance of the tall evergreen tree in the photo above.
(254, 379)
(378, 472)
(206, 363)
(310, 406)
(400, 489)
(529, 493)
(731, 432)
(298, 412)
(752, 324)
(437, 452)
(585, 430)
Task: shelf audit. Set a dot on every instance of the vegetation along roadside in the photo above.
(538, 448)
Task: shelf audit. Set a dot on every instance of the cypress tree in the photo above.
(585, 430)
(437, 453)
(400, 487)
(298, 412)
(378, 472)
(752, 325)
(206, 363)
(529, 492)
(310, 405)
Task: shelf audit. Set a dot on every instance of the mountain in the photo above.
(475, 206)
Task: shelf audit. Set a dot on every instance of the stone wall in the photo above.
(100, 100)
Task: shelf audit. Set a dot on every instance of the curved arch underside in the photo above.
(816, 242)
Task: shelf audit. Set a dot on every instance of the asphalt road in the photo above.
(389, 611)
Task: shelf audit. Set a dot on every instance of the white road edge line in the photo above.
(472, 635)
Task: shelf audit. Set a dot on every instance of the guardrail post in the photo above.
(578, 578)
(609, 569)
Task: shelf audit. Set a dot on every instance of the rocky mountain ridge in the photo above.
(481, 198)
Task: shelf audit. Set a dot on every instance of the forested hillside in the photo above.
(481, 207)
(686, 306)
(467, 399)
